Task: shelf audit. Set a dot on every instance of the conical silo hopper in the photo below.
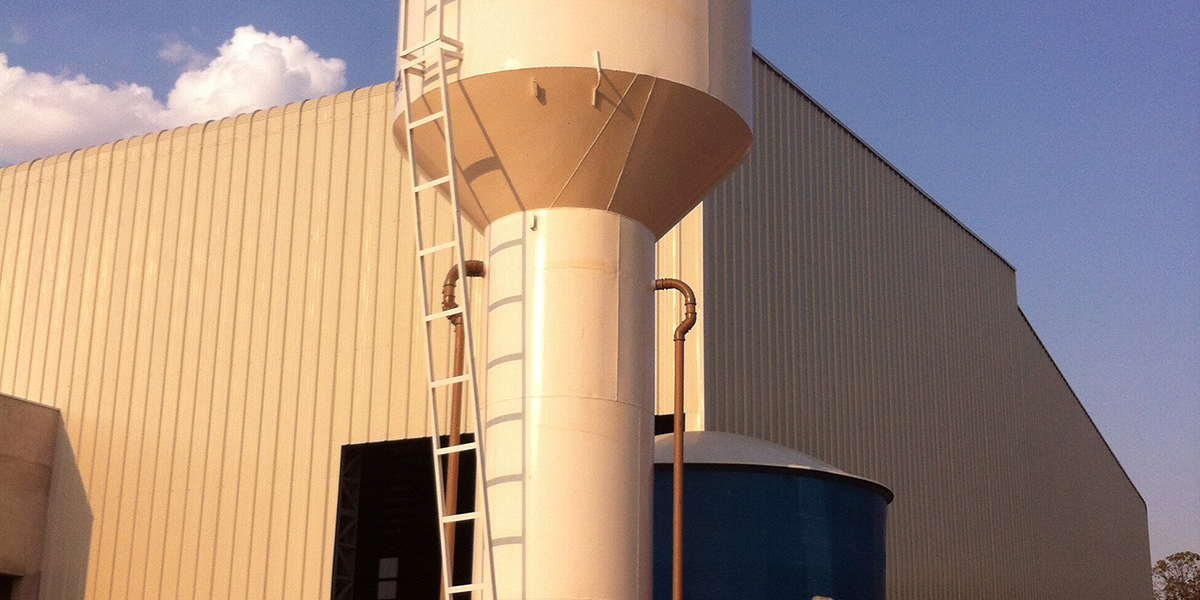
(582, 132)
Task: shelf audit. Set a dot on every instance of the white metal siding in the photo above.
(216, 310)
(852, 318)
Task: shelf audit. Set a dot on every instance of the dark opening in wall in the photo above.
(664, 424)
(7, 583)
(386, 539)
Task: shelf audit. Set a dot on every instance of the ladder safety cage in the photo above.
(425, 64)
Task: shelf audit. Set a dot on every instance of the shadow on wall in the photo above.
(68, 526)
(45, 520)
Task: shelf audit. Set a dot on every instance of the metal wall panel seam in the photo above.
(20, 283)
(200, 313)
(360, 388)
(317, 418)
(202, 307)
(216, 311)
(215, 178)
(184, 298)
(234, 145)
(104, 498)
(391, 191)
(127, 360)
(228, 459)
(27, 338)
(786, 396)
(67, 337)
(348, 326)
(51, 281)
(376, 130)
(37, 277)
(794, 253)
(163, 309)
(298, 411)
(11, 201)
(269, 357)
(298, 130)
(9, 225)
(88, 443)
(247, 357)
(278, 429)
(13, 272)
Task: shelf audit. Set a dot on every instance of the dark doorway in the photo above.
(386, 543)
(7, 583)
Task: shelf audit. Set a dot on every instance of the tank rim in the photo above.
(721, 451)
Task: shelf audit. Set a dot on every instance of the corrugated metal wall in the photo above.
(216, 310)
(852, 318)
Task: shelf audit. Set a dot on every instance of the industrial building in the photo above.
(201, 328)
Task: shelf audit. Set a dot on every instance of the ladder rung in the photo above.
(438, 248)
(410, 62)
(432, 184)
(418, 63)
(466, 587)
(447, 40)
(429, 119)
(413, 50)
(445, 314)
(460, 517)
(417, 66)
(450, 381)
(412, 68)
(459, 448)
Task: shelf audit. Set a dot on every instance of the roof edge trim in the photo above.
(885, 161)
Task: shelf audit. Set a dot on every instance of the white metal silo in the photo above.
(582, 132)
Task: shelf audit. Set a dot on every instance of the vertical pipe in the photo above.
(474, 268)
(677, 484)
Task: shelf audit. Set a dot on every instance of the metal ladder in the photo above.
(419, 63)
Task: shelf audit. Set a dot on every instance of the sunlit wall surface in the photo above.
(851, 318)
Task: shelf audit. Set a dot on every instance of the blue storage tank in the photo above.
(764, 521)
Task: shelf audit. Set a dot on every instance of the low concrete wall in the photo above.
(45, 522)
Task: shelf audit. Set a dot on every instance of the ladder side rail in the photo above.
(441, 34)
(406, 73)
(481, 502)
(402, 41)
(440, 484)
(431, 394)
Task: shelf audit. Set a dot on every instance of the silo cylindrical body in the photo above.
(570, 409)
(582, 132)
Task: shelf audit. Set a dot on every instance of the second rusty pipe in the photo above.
(473, 268)
(689, 319)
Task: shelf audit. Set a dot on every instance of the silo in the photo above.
(582, 132)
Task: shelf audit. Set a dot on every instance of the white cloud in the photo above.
(254, 70)
(45, 114)
(182, 53)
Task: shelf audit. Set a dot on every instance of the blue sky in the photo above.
(1065, 134)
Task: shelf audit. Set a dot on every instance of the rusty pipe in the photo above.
(473, 268)
(689, 319)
